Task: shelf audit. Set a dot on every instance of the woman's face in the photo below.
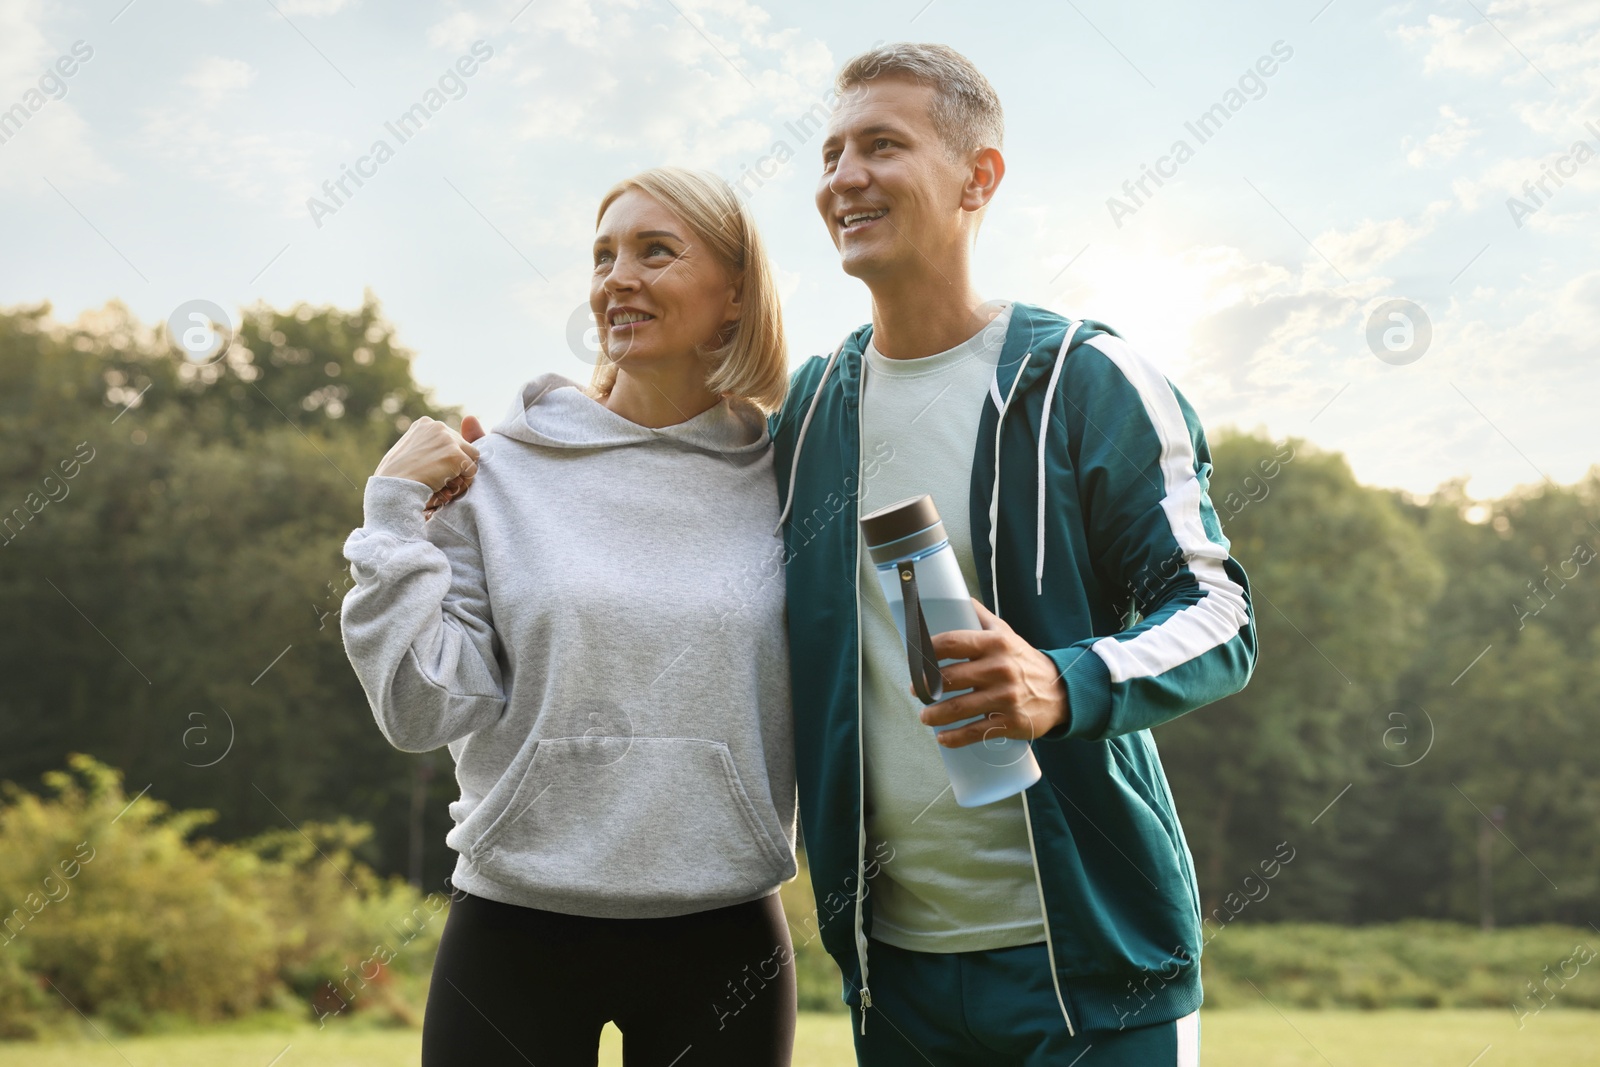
(657, 292)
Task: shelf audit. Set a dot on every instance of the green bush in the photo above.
(1414, 964)
(109, 908)
(22, 1002)
(112, 908)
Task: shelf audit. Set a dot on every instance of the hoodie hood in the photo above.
(553, 411)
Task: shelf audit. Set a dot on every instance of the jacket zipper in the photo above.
(861, 766)
(1044, 913)
(994, 584)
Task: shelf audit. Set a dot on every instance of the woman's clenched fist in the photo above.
(431, 453)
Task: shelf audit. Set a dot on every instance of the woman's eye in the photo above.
(653, 249)
(602, 258)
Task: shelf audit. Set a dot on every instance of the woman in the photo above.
(584, 632)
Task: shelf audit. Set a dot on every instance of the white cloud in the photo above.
(253, 166)
(1371, 243)
(216, 77)
(457, 32)
(1265, 334)
(709, 87)
(1521, 178)
(213, 143)
(608, 87)
(309, 8)
(313, 8)
(22, 42)
(51, 137)
(1509, 36)
(1446, 142)
(1551, 47)
(1549, 51)
(1258, 344)
(1456, 44)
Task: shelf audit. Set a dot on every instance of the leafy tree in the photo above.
(170, 540)
(183, 591)
(1341, 582)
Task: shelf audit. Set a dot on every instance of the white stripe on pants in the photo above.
(1189, 1040)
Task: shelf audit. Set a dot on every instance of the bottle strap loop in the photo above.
(926, 681)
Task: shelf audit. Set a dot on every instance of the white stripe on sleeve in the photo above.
(1219, 614)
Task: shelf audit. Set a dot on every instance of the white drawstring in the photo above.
(800, 438)
(1044, 436)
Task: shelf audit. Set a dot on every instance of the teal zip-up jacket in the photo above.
(1096, 541)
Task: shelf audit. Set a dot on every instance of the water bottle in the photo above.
(927, 595)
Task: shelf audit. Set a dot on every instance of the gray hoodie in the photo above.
(596, 631)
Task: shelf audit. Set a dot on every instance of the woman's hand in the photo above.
(471, 430)
(435, 455)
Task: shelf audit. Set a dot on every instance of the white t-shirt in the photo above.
(961, 879)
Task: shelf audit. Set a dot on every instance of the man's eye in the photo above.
(881, 143)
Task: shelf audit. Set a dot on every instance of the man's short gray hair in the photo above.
(966, 109)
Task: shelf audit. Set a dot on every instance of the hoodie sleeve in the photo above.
(416, 624)
(1143, 466)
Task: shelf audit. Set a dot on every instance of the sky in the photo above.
(1436, 162)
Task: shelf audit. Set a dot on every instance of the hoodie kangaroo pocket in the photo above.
(661, 819)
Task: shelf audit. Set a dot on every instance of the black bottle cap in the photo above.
(900, 519)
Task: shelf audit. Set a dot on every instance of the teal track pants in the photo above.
(995, 1009)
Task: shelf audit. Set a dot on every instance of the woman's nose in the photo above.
(622, 279)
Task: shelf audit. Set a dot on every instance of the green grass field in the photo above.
(1244, 1038)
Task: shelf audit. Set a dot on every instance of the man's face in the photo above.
(889, 193)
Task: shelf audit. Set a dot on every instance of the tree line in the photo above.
(1420, 734)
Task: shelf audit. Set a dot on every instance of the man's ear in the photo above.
(988, 168)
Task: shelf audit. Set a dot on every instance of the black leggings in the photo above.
(518, 986)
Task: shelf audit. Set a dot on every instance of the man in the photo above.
(1071, 476)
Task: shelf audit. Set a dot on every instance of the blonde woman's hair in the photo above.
(752, 361)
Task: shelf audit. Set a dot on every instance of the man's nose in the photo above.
(849, 174)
